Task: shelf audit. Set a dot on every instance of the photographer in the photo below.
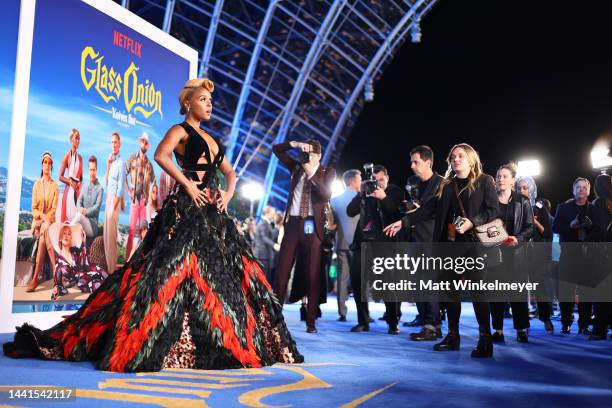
(540, 257)
(377, 205)
(304, 220)
(573, 224)
(465, 189)
(422, 188)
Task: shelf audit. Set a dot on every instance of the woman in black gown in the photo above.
(192, 295)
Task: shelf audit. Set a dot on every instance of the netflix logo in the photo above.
(123, 41)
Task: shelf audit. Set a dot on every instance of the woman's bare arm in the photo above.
(163, 157)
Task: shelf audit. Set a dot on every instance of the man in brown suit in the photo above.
(304, 220)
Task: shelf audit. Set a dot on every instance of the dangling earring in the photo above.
(188, 109)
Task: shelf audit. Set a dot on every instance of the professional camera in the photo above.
(303, 157)
(412, 187)
(585, 222)
(369, 183)
(459, 221)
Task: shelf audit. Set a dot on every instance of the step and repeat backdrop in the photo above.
(88, 91)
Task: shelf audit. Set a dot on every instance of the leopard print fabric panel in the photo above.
(182, 353)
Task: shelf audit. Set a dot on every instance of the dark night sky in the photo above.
(513, 79)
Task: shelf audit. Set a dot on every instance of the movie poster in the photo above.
(9, 26)
(103, 90)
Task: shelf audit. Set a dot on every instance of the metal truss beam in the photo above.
(210, 39)
(168, 15)
(296, 93)
(246, 87)
(374, 64)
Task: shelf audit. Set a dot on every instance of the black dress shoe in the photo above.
(484, 348)
(452, 341)
(311, 329)
(548, 326)
(424, 335)
(585, 330)
(303, 313)
(370, 320)
(566, 329)
(360, 328)
(522, 336)
(393, 329)
(415, 323)
(342, 318)
(439, 332)
(498, 338)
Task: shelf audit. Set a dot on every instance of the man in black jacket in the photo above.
(426, 183)
(572, 223)
(386, 200)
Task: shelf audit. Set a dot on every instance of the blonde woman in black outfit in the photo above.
(517, 215)
(476, 191)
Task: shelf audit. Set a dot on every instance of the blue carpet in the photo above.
(357, 369)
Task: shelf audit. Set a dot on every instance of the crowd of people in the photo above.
(445, 208)
(77, 211)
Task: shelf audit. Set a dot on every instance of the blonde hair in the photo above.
(59, 241)
(190, 88)
(73, 132)
(511, 167)
(475, 167)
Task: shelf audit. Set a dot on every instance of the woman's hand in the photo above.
(198, 196)
(223, 199)
(392, 229)
(465, 227)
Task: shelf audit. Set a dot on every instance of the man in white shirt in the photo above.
(304, 220)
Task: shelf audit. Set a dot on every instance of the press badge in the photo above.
(309, 227)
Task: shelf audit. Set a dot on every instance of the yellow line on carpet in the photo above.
(167, 402)
(366, 397)
(309, 381)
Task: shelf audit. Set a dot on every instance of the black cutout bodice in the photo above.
(195, 148)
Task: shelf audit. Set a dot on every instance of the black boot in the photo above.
(452, 341)
(484, 349)
(424, 335)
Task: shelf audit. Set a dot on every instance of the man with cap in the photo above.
(304, 220)
(140, 176)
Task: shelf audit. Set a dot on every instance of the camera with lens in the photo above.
(412, 187)
(459, 221)
(369, 183)
(303, 157)
(585, 222)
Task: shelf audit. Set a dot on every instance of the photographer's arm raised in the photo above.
(280, 150)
